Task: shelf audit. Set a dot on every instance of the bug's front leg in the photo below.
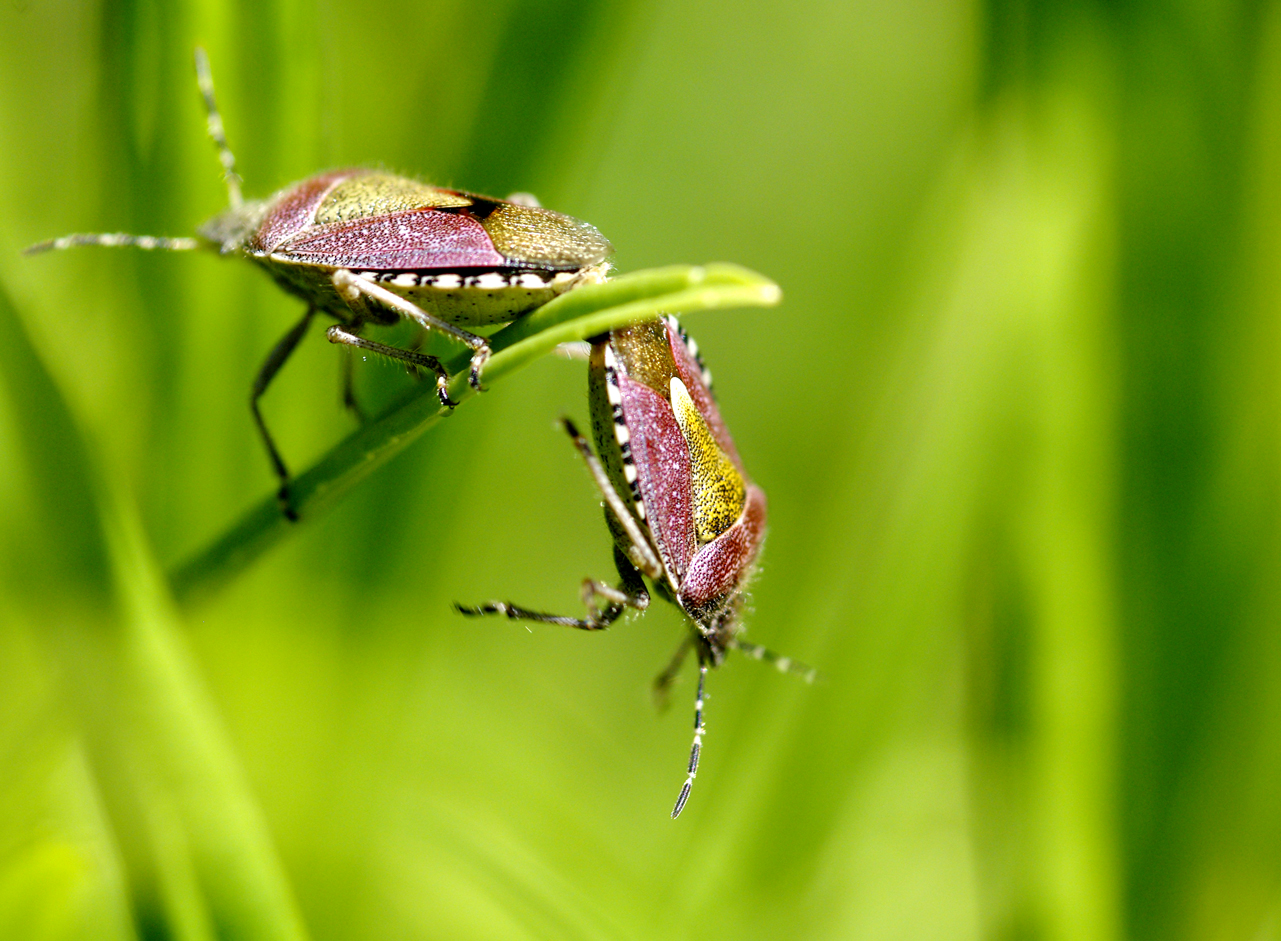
(354, 289)
(604, 603)
(663, 682)
(639, 552)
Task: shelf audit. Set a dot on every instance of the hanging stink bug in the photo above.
(365, 246)
(682, 510)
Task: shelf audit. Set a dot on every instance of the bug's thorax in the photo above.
(670, 457)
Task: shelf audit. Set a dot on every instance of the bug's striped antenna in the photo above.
(114, 240)
(154, 242)
(204, 77)
(697, 748)
(783, 664)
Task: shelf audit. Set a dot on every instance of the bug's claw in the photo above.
(501, 608)
(478, 361)
(286, 503)
(442, 392)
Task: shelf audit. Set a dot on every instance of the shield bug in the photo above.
(367, 247)
(681, 508)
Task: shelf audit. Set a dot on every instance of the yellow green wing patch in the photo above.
(718, 492)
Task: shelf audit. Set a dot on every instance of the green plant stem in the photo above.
(583, 313)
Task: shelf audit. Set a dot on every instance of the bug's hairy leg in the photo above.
(630, 593)
(597, 621)
(339, 333)
(663, 682)
(271, 365)
(348, 381)
(352, 288)
(639, 552)
(415, 346)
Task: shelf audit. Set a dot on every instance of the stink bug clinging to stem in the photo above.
(367, 247)
(682, 511)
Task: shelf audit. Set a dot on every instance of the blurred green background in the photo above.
(1017, 418)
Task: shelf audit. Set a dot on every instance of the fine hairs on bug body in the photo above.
(367, 247)
(682, 510)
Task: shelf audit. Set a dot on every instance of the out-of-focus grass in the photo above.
(1017, 418)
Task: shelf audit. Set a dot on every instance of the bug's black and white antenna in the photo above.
(783, 664)
(155, 242)
(114, 240)
(204, 77)
(696, 749)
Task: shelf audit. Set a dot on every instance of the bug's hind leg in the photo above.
(271, 365)
(341, 334)
(349, 400)
(604, 603)
(348, 376)
(353, 289)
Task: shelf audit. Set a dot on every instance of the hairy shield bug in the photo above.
(682, 511)
(367, 247)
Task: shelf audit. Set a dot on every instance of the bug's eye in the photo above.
(717, 490)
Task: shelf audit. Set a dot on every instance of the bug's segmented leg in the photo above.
(415, 346)
(783, 664)
(597, 622)
(663, 682)
(271, 365)
(630, 593)
(616, 600)
(697, 748)
(348, 381)
(352, 287)
(204, 78)
(341, 334)
(640, 553)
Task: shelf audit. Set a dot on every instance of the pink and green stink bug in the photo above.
(680, 506)
(367, 247)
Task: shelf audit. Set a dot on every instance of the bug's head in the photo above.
(232, 228)
(716, 634)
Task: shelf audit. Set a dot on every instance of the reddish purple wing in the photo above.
(661, 459)
(720, 568)
(294, 210)
(364, 219)
(413, 239)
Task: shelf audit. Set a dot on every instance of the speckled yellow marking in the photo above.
(375, 194)
(718, 491)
